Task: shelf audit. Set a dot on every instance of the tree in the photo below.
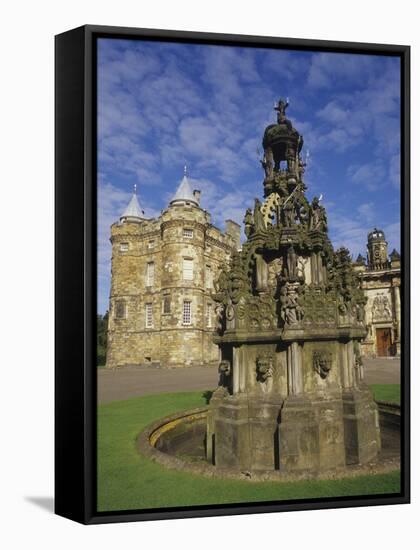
(101, 338)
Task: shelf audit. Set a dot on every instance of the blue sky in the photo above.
(163, 105)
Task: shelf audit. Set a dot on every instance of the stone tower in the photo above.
(161, 310)
(377, 250)
(291, 394)
(381, 280)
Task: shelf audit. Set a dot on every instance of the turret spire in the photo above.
(134, 212)
(184, 193)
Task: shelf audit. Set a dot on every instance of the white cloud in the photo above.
(395, 171)
(112, 202)
(327, 69)
(370, 175)
(367, 211)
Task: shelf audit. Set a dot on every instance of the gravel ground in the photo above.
(126, 382)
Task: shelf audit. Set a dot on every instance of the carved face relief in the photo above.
(322, 362)
(224, 367)
(264, 368)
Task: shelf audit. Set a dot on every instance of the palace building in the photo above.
(161, 311)
(381, 279)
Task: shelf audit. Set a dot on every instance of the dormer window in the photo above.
(188, 233)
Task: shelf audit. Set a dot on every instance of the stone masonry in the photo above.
(380, 278)
(161, 311)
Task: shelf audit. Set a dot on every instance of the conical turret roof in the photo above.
(184, 193)
(133, 212)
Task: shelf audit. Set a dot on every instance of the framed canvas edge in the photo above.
(82, 479)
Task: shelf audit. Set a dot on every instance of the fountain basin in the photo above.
(179, 442)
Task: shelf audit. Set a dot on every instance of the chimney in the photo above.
(233, 229)
(197, 195)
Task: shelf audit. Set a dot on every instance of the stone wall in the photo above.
(383, 310)
(181, 232)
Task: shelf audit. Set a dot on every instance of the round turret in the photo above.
(377, 250)
(376, 235)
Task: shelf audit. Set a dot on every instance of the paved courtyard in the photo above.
(123, 383)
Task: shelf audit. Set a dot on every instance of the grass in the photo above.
(387, 392)
(127, 480)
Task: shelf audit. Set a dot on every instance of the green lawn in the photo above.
(127, 480)
(386, 392)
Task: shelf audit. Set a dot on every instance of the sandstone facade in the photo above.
(161, 311)
(381, 282)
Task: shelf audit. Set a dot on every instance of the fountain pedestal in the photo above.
(290, 309)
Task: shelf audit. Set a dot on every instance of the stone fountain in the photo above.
(291, 395)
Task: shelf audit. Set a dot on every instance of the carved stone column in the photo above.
(294, 369)
(236, 366)
(346, 365)
(317, 270)
(350, 363)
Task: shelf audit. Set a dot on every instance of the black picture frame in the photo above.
(75, 273)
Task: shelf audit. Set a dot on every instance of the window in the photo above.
(209, 277)
(124, 247)
(120, 309)
(149, 315)
(187, 269)
(166, 304)
(151, 244)
(209, 315)
(188, 233)
(150, 274)
(186, 313)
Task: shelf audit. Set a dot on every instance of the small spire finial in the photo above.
(135, 188)
(185, 169)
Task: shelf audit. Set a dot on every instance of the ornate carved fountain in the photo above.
(291, 394)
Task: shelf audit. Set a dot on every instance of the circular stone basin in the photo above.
(179, 442)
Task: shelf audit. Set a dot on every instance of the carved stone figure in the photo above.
(281, 113)
(300, 270)
(258, 217)
(322, 362)
(249, 223)
(220, 312)
(288, 213)
(291, 309)
(292, 263)
(381, 308)
(300, 302)
(267, 163)
(318, 216)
